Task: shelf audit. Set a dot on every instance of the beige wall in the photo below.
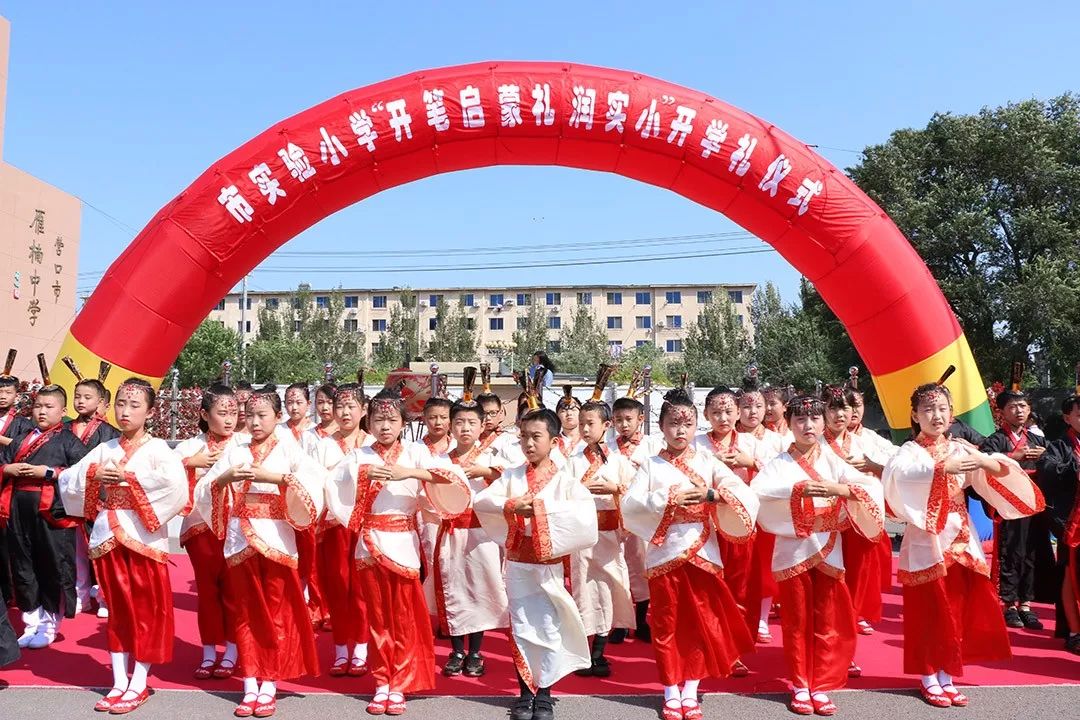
(34, 317)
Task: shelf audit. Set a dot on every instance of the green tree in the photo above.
(583, 344)
(530, 339)
(200, 361)
(637, 358)
(400, 341)
(788, 344)
(717, 346)
(453, 339)
(992, 203)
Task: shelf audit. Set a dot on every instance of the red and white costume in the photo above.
(951, 610)
(429, 520)
(599, 577)
(697, 629)
(388, 555)
(307, 538)
(818, 620)
(548, 638)
(129, 543)
(505, 444)
(258, 523)
(637, 449)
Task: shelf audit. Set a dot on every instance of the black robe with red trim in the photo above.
(1059, 479)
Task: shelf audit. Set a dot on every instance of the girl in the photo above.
(298, 410)
(131, 487)
(600, 579)
(951, 609)
(569, 441)
(376, 492)
(775, 419)
(217, 419)
(259, 490)
(334, 551)
(679, 502)
(297, 425)
(807, 497)
(324, 411)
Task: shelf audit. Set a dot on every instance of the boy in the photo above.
(11, 422)
(493, 436)
(40, 536)
(541, 515)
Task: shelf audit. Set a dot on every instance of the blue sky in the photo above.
(124, 104)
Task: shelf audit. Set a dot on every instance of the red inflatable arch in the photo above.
(528, 113)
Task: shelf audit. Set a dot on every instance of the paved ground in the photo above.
(1027, 702)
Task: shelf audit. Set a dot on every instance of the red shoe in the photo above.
(357, 668)
(939, 700)
(205, 671)
(692, 711)
(764, 638)
(957, 698)
(247, 707)
(865, 628)
(377, 706)
(800, 707)
(265, 709)
(105, 704)
(395, 707)
(340, 668)
(824, 707)
(739, 669)
(854, 671)
(669, 712)
(123, 707)
(223, 671)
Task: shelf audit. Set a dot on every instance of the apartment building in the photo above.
(633, 314)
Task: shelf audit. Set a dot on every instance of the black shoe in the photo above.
(522, 709)
(618, 636)
(585, 672)
(601, 667)
(543, 708)
(474, 665)
(1030, 620)
(453, 665)
(1072, 644)
(1012, 618)
(643, 633)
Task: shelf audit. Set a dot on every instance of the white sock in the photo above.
(801, 693)
(382, 690)
(821, 697)
(251, 686)
(119, 670)
(230, 653)
(944, 679)
(209, 653)
(138, 677)
(360, 652)
(929, 681)
(268, 688)
(689, 691)
(671, 692)
(341, 651)
(32, 619)
(766, 606)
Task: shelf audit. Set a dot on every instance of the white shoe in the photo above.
(103, 612)
(78, 605)
(46, 632)
(32, 620)
(28, 634)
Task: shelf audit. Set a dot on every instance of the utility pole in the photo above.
(174, 403)
(243, 322)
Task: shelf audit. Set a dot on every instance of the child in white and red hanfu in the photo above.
(376, 491)
(808, 497)
(131, 487)
(952, 615)
(257, 496)
(435, 441)
(217, 419)
(680, 502)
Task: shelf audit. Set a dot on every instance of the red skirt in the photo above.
(951, 621)
(340, 584)
(818, 625)
(273, 631)
(885, 561)
(697, 629)
(402, 647)
(760, 582)
(862, 563)
(306, 550)
(140, 605)
(208, 561)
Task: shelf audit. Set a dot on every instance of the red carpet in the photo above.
(79, 659)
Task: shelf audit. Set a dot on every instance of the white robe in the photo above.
(299, 502)
(759, 451)
(549, 639)
(156, 491)
(939, 531)
(193, 522)
(507, 446)
(633, 546)
(808, 529)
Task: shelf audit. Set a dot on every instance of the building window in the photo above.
(674, 297)
(495, 300)
(614, 298)
(467, 300)
(524, 298)
(522, 322)
(432, 323)
(495, 323)
(434, 300)
(272, 303)
(584, 298)
(375, 348)
(240, 303)
(220, 305)
(614, 322)
(554, 322)
(704, 297)
(352, 325)
(674, 321)
(378, 301)
(243, 326)
(640, 343)
(642, 298)
(735, 296)
(643, 322)
(296, 303)
(322, 302)
(352, 301)
(742, 319)
(674, 346)
(615, 345)
(378, 326)
(470, 323)
(297, 326)
(554, 346)
(554, 298)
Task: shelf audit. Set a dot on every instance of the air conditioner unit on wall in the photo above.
(509, 303)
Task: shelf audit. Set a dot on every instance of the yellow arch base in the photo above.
(968, 393)
(88, 363)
